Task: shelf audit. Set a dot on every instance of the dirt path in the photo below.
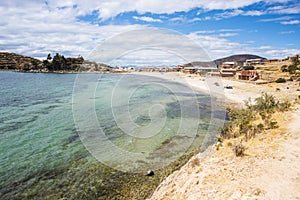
(270, 169)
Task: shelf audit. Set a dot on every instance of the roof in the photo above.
(208, 68)
(248, 72)
(227, 73)
(229, 70)
(213, 72)
(255, 59)
(228, 63)
(190, 68)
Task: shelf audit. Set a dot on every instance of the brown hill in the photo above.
(240, 59)
(12, 61)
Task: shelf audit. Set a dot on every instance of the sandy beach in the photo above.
(240, 91)
(270, 168)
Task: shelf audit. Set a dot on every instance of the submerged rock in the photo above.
(149, 173)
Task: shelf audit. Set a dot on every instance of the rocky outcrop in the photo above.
(91, 67)
(12, 61)
(57, 64)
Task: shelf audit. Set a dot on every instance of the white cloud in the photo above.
(228, 14)
(295, 9)
(286, 32)
(265, 47)
(237, 12)
(147, 19)
(230, 30)
(36, 28)
(219, 33)
(291, 22)
(281, 53)
(228, 34)
(253, 13)
(109, 9)
(32, 28)
(217, 47)
(181, 19)
(276, 19)
(196, 19)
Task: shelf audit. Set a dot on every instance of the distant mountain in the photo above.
(199, 63)
(240, 59)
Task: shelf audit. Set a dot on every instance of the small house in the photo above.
(189, 70)
(253, 62)
(249, 75)
(227, 72)
(228, 65)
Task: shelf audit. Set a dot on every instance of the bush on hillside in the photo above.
(239, 149)
(280, 80)
(256, 117)
(249, 68)
(284, 68)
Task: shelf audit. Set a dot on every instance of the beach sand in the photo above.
(241, 90)
(269, 170)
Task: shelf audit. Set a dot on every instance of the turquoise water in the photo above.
(41, 153)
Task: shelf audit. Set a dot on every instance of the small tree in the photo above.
(295, 65)
(280, 80)
(49, 57)
(249, 68)
(284, 68)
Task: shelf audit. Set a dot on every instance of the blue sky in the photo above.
(268, 28)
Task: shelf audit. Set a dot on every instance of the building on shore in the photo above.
(254, 62)
(227, 72)
(228, 65)
(249, 75)
(228, 69)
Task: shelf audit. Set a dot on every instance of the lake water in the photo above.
(73, 136)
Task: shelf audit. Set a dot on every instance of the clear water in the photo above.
(38, 135)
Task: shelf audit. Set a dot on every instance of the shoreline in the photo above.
(250, 177)
(240, 91)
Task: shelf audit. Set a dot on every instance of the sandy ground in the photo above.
(269, 170)
(241, 91)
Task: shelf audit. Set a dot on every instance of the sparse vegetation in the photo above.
(255, 118)
(284, 68)
(239, 149)
(249, 68)
(293, 67)
(280, 80)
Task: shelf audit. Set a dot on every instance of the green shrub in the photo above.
(280, 80)
(284, 68)
(260, 126)
(273, 124)
(284, 106)
(266, 103)
(242, 121)
(239, 149)
(249, 68)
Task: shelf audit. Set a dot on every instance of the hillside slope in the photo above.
(12, 61)
(240, 59)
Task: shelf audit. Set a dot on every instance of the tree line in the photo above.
(59, 62)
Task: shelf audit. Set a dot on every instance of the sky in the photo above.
(35, 28)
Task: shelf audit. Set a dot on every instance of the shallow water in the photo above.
(43, 152)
